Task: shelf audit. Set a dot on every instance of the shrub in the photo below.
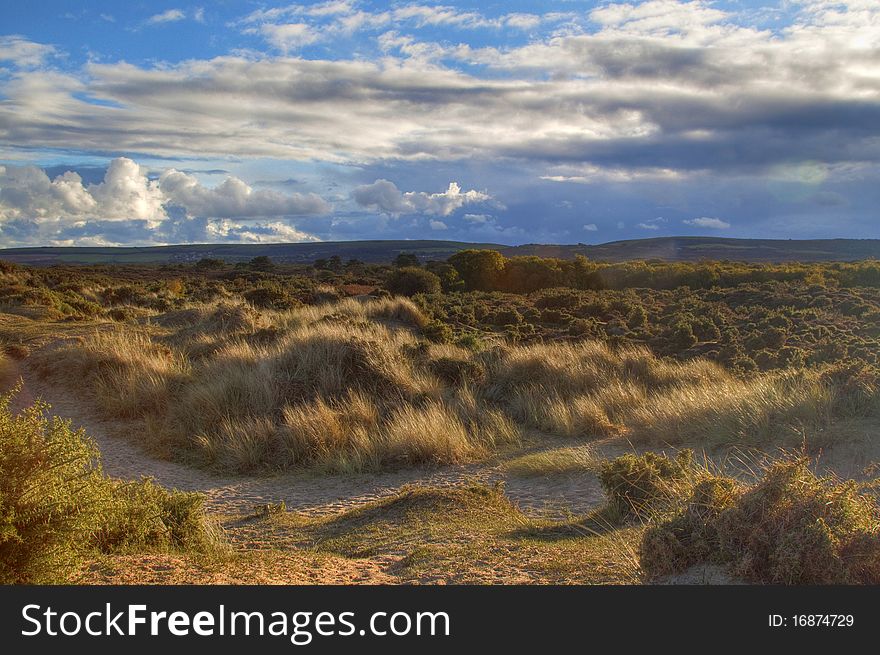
(681, 336)
(637, 318)
(505, 316)
(270, 296)
(438, 332)
(580, 327)
(210, 263)
(689, 537)
(639, 484)
(406, 260)
(791, 527)
(56, 506)
(410, 280)
(49, 495)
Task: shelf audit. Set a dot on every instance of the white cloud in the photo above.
(168, 16)
(658, 16)
(289, 36)
(269, 232)
(24, 53)
(590, 227)
(651, 224)
(704, 221)
(522, 21)
(233, 198)
(438, 225)
(127, 194)
(385, 197)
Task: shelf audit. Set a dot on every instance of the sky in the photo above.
(147, 122)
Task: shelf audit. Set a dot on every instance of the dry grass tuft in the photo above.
(128, 374)
(587, 390)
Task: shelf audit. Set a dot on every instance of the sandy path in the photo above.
(124, 458)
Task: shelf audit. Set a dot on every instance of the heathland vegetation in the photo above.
(343, 367)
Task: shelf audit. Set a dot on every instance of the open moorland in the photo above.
(480, 418)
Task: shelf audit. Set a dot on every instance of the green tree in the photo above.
(479, 269)
(262, 263)
(209, 263)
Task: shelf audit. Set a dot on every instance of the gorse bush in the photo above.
(791, 527)
(57, 507)
(49, 495)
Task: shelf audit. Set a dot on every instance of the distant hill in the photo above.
(698, 248)
(663, 248)
(367, 251)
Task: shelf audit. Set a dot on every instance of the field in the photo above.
(467, 417)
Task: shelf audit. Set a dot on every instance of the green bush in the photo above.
(57, 506)
(410, 280)
(438, 332)
(791, 527)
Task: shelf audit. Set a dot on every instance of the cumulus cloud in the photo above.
(267, 232)
(590, 227)
(705, 221)
(233, 198)
(165, 206)
(384, 196)
(125, 193)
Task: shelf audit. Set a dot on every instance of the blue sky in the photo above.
(513, 122)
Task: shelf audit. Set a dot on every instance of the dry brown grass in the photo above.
(128, 374)
(587, 390)
(351, 386)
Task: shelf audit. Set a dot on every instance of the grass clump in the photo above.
(57, 507)
(791, 527)
(637, 485)
(589, 390)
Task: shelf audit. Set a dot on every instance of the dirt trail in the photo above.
(326, 494)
